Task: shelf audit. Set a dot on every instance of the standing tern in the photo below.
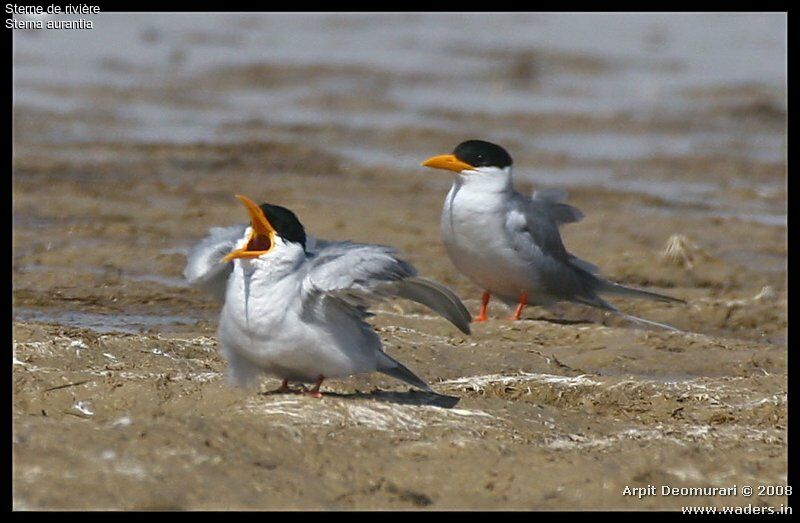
(296, 310)
(510, 245)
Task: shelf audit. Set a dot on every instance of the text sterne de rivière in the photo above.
(52, 9)
(77, 9)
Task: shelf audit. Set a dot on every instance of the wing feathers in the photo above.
(392, 367)
(438, 298)
(203, 268)
(359, 273)
(551, 201)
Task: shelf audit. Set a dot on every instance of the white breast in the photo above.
(473, 232)
(265, 323)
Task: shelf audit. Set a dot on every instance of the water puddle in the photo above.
(623, 146)
(752, 216)
(167, 281)
(102, 323)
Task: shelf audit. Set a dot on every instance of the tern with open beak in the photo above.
(296, 309)
(509, 244)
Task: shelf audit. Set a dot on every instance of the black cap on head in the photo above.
(285, 223)
(482, 154)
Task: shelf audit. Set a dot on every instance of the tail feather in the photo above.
(437, 297)
(621, 290)
(599, 303)
(637, 319)
(391, 367)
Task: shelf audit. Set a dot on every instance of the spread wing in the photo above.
(358, 274)
(354, 271)
(203, 268)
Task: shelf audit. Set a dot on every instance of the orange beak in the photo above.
(260, 241)
(448, 162)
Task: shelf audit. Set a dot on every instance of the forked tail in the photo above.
(599, 303)
(647, 322)
(621, 290)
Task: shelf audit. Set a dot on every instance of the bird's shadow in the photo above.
(561, 321)
(411, 397)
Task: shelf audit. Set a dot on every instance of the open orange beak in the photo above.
(448, 162)
(260, 241)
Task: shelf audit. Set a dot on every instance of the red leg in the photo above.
(284, 387)
(484, 303)
(523, 301)
(315, 393)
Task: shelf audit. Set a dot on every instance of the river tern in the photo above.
(295, 307)
(509, 244)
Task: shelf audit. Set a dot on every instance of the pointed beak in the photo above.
(260, 241)
(448, 162)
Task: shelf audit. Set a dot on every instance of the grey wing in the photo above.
(354, 272)
(360, 273)
(583, 264)
(534, 235)
(437, 297)
(551, 202)
(570, 277)
(533, 231)
(203, 268)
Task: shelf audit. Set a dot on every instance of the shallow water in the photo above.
(103, 323)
